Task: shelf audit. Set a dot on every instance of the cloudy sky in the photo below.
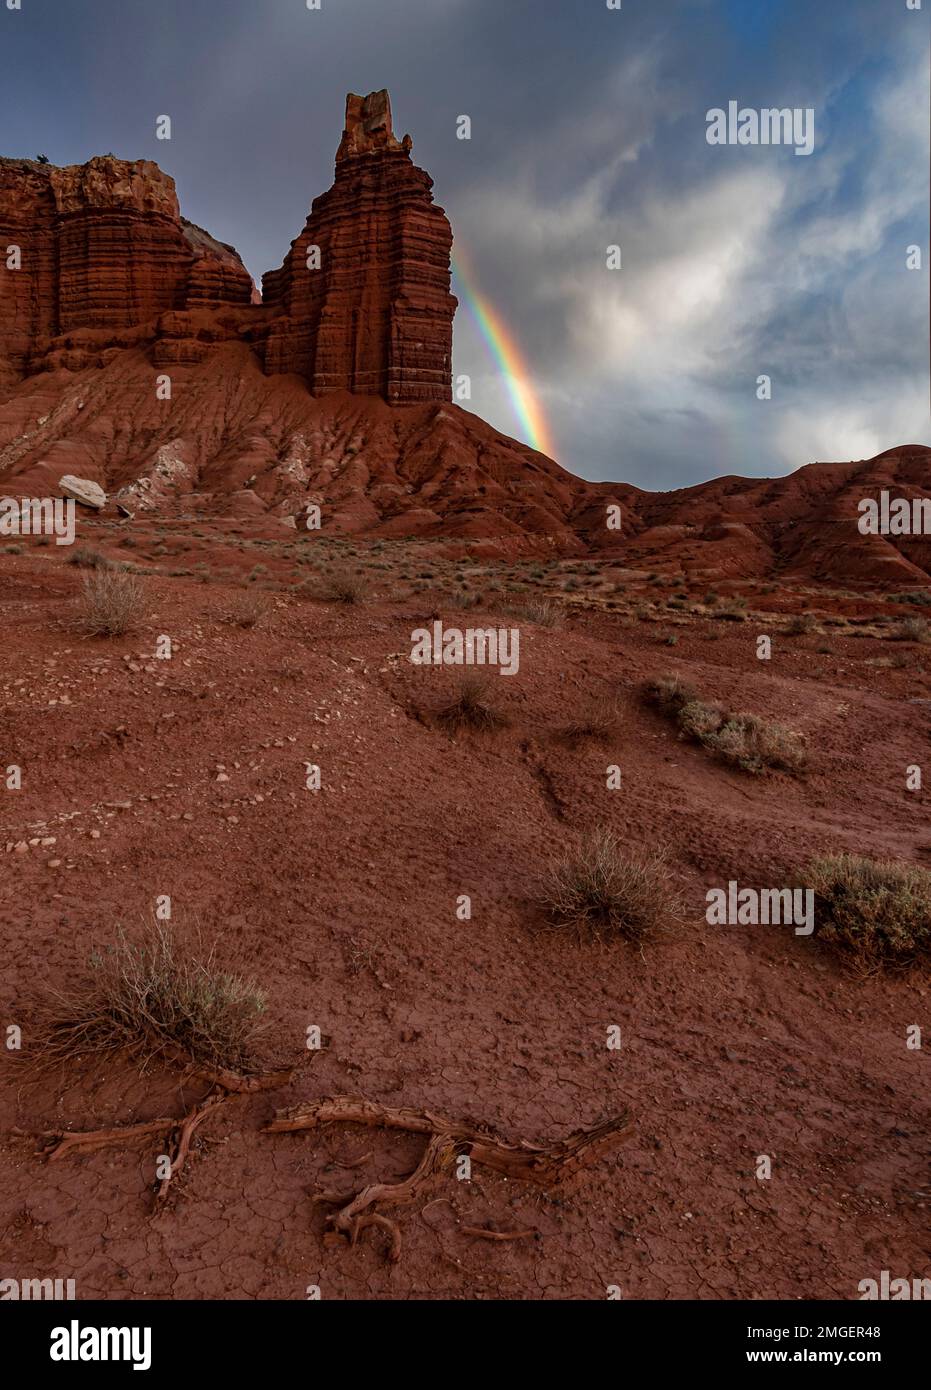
(588, 130)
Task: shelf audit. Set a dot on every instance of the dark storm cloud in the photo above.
(588, 130)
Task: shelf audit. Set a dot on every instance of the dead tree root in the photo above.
(225, 1086)
(448, 1140)
(544, 1164)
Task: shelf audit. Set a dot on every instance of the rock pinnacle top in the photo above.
(368, 126)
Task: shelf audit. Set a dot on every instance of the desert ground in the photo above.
(185, 777)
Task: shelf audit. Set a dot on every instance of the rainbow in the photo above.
(535, 429)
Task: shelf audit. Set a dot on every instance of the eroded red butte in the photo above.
(102, 249)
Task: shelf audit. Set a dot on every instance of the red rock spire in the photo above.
(372, 312)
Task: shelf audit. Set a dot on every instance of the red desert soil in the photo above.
(737, 1041)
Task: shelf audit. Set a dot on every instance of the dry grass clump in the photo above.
(670, 693)
(701, 719)
(249, 609)
(151, 998)
(913, 629)
(801, 624)
(876, 911)
(744, 740)
(343, 586)
(755, 744)
(731, 610)
(600, 891)
(472, 706)
(89, 559)
(598, 722)
(111, 603)
(541, 612)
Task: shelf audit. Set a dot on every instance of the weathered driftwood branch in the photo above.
(545, 1164)
(541, 1163)
(57, 1143)
(185, 1133)
(359, 1210)
(227, 1085)
(246, 1084)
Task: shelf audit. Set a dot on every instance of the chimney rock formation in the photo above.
(376, 316)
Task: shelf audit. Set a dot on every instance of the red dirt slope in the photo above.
(736, 1041)
(233, 441)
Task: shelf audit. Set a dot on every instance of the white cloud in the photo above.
(854, 424)
(747, 262)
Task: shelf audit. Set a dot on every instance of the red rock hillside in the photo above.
(335, 390)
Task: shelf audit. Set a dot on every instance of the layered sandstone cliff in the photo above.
(96, 258)
(101, 247)
(362, 301)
